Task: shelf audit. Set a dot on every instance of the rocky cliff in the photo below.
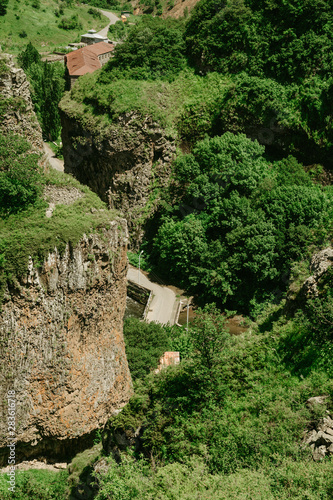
(62, 354)
(62, 348)
(16, 109)
(125, 163)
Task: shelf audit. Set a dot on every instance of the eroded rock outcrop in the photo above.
(123, 162)
(320, 263)
(17, 114)
(62, 348)
(320, 438)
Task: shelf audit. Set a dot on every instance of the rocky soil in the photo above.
(320, 438)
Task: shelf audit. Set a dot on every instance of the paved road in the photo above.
(54, 162)
(164, 304)
(113, 20)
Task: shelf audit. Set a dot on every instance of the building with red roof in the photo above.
(87, 60)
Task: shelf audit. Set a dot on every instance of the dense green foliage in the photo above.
(284, 40)
(20, 178)
(28, 57)
(70, 23)
(145, 344)
(118, 31)
(238, 221)
(231, 407)
(36, 484)
(3, 7)
(154, 49)
(48, 84)
(134, 479)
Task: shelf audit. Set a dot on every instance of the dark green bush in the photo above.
(20, 177)
(71, 23)
(239, 222)
(153, 49)
(145, 344)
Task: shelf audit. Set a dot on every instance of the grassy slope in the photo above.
(31, 233)
(41, 25)
(164, 101)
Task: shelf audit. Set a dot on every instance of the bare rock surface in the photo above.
(20, 118)
(123, 162)
(62, 348)
(320, 262)
(320, 439)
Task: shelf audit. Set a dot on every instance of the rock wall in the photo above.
(19, 117)
(124, 164)
(320, 263)
(62, 348)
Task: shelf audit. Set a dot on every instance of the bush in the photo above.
(36, 484)
(71, 23)
(95, 13)
(20, 177)
(145, 344)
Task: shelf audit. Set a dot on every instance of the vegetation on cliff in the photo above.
(24, 228)
(237, 226)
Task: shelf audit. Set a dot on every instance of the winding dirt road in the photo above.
(163, 307)
(113, 19)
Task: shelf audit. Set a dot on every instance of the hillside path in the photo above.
(54, 162)
(113, 19)
(163, 307)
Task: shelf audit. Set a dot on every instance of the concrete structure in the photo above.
(86, 60)
(92, 37)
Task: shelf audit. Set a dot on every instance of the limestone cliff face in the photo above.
(123, 163)
(62, 348)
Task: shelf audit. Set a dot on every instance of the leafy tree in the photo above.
(29, 56)
(154, 48)
(48, 84)
(3, 7)
(119, 30)
(145, 344)
(208, 335)
(20, 176)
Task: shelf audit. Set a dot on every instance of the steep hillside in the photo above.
(63, 268)
(38, 22)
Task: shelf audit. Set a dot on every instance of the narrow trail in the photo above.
(54, 162)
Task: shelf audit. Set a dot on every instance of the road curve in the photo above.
(163, 307)
(113, 19)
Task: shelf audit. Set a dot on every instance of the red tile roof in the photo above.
(85, 60)
(100, 48)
